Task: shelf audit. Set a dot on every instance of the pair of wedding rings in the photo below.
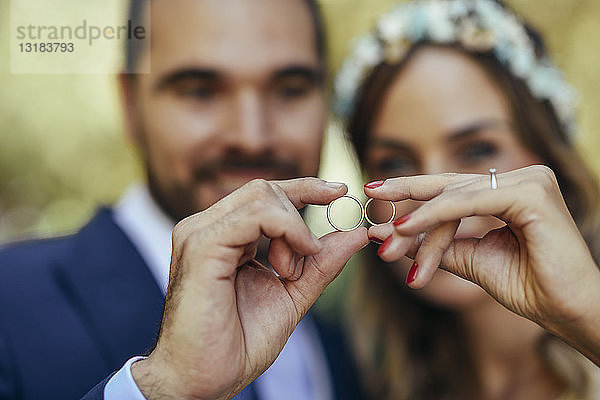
(364, 214)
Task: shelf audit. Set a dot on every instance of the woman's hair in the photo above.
(410, 349)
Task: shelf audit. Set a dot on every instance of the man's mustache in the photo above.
(283, 169)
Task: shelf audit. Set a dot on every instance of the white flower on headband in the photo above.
(476, 25)
(440, 26)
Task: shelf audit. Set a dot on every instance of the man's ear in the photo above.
(127, 86)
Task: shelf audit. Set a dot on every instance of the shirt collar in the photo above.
(149, 228)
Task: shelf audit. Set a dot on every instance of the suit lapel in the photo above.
(112, 290)
(342, 366)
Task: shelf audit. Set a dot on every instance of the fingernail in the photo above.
(384, 245)
(375, 240)
(299, 268)
(412, 274)
(335, 185)
(374, 185)
(402, 220)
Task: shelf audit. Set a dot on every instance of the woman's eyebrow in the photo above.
(388, 143)
(466, 131)
(475, 128)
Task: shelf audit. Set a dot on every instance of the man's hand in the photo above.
(226, 316)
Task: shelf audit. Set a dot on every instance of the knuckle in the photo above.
(452, 180)
(276, 189)
(176, 237)
(193, 241)
(544, 174)
(466, 261)
(449, 175)
(311, 180)
(260, 186)
(451, 187)
(262, 190)
(427, 241)
(434, 244)
(180, 231)
(177, 233)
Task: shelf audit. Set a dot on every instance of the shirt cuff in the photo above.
(122, 386)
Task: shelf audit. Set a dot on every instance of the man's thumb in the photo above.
(321, 269)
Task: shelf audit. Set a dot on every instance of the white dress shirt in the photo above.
(299, 373)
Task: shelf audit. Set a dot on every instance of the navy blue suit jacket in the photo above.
(74, 309)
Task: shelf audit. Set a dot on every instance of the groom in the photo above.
(236, 92)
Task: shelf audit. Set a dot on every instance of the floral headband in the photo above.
(476, 25)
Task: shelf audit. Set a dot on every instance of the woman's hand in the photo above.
(538, 265)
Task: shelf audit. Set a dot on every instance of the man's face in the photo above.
(235, 93)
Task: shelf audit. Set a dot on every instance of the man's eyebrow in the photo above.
(184, 74)
(314, 74)
(475, 128)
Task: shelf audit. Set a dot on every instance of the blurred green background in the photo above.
(63, 151)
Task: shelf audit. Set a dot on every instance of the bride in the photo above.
(465, 86)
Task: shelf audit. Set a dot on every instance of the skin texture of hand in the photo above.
(537, 266)
(226, 316)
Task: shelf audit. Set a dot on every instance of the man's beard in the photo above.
(180, 200)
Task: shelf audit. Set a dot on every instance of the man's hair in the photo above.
(134, 48)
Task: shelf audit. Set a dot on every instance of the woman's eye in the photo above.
(395, 167)
(476, 152)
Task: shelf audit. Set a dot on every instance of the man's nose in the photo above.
(250, 133)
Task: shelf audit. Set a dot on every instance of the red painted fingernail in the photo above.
(374, 185)
(384, 245)
(412, 274)
(402, 220)
(375, 240)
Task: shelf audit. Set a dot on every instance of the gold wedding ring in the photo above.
(363, 213)
(374, 223)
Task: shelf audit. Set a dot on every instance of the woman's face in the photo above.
(443, 114)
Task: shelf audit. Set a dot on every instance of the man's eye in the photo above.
(195, 89)
(200, 93)
(477, 152)
(293, 89)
